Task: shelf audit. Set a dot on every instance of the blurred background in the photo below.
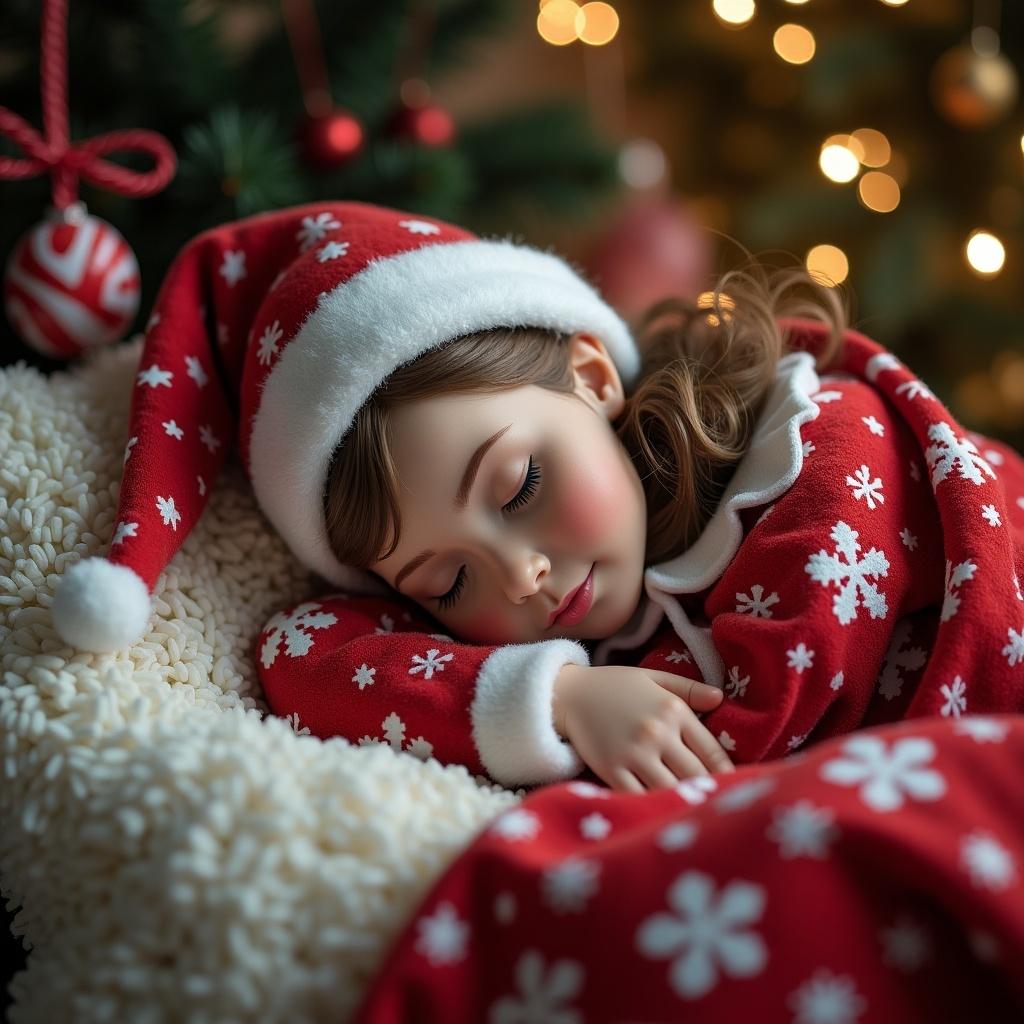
(879, 142)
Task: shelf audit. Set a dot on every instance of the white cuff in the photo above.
(513, 723)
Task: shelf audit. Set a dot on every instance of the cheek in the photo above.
(593, 500)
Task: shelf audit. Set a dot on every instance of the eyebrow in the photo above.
(460, 502)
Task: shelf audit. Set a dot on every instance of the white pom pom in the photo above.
(100, 606)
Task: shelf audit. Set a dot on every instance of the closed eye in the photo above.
(524, 497)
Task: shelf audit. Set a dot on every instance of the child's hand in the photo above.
(625, 721)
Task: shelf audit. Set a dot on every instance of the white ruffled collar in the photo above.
(767, 470)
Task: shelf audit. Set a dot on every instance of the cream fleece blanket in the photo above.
(176, 855)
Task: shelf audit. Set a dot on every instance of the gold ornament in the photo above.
(973, 90)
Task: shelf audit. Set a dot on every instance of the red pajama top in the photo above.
(863, 566)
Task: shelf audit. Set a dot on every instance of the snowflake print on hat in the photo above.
(267, 334)
(315, 228)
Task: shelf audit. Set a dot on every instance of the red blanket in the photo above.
(876, 877)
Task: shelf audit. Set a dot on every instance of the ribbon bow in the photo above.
(66, 162)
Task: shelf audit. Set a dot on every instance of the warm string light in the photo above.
(734, 13)
(843, 157)
(561, 22)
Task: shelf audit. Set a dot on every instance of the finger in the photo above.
(683, 761)
(624, 780)
(706, 747)
(700, 696)
(655, 774)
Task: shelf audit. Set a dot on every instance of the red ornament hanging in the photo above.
(72, 282)
(424, 123)
(328, 136)
(416, 119)
(331, 140)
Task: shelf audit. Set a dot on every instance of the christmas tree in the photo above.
(269, 104)
(760, 90)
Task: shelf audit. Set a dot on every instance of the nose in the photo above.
(522, 572)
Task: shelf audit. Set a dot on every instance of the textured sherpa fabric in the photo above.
(175, 854)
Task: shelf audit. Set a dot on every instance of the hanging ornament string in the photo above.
(415, 118)
(304, 35)
(66, 162)
(330, 136)
(411, 60)
(72, 282)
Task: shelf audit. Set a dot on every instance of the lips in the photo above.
(574, 602)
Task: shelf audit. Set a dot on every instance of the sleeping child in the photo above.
(554, 548)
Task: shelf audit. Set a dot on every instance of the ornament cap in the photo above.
(101, 606)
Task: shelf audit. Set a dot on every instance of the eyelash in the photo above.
(525, 495)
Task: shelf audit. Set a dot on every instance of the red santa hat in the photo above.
(274, 330)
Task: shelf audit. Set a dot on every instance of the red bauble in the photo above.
(654, 249)
(331, 140)
(426, 124)
(71, 283)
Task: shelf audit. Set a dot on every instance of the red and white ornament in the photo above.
(71, 284)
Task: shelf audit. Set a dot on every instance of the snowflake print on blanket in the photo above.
(394, 736)
(756, 603)
(294, 629)
(542, 995)
(898, 659)
(702, 934)
(850, 576)
(949, 454)
(954, 578)
(864, 487)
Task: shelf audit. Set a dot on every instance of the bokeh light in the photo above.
(794, 43)
(556, 22)
(734, 12)
(828, 264)
(985, 253)
(838, 161)
(879, 191)
(597, 23)
(874, 146)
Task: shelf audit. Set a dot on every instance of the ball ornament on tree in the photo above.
(332, 139)
(427, 124)
(973, 90)
(71, 284)
(653, 250)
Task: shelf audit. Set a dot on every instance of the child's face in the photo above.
(516, 565)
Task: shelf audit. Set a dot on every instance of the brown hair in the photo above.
(707, 368)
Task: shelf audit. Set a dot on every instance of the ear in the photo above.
(597, 379)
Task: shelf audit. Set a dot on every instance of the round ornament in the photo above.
(655, 248)
(71, 284)
(973, 90)
(427, 124)
(332, 139)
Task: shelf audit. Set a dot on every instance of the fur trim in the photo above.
(385, 316)
(511, 712)
(100, 606)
